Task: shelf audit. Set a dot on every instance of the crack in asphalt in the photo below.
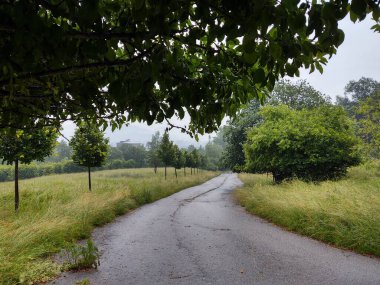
(180, 244)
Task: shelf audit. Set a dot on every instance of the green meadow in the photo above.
(343, 213)
(59, 209)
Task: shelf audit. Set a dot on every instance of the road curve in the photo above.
(200, 236)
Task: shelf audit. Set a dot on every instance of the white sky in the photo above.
(358, 56)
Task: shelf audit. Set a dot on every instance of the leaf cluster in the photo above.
(27, 145)
(151, 60)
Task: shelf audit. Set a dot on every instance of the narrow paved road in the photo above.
(200, 236)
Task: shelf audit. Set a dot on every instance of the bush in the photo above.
(71, 167)
(313, 145)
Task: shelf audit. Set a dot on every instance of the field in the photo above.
(58, 209)
(344, 213)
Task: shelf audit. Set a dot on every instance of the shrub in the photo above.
(315, 144)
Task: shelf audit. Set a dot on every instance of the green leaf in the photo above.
(249, 44)
(258, 76)
(359, 7)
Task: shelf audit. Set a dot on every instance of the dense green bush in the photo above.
(312, 145)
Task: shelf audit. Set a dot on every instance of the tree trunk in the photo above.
(165, 171)
(17, 197)
(89, 179)
(277, 177)
(175, 171)
(191, 170)
(184, 171)
(155, 169)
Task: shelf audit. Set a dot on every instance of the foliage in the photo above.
(84, 281)
(362, 107)
(219, 138)
(153, 156)
(35, 170)
(344, 213)
(362, 89)
(235, 136)
(82, 256)
(58, 209)
(115, 154)
(61, 152)
(179, 158)
(89, 146)
(347, 104)
(298, 95)
(213, 155)
(165, 150)
(152, 60)
(26, 145)
(135, 152)
(356, 92)
(314, 144)
(369, 111)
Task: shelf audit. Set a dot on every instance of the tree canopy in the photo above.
(89, 146)
(315, 144)
(150, 60)
(24, 146)
(298, 95)
(166, 151)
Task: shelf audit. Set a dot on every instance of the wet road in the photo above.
(200, 236)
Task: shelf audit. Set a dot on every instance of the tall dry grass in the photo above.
(58, 209)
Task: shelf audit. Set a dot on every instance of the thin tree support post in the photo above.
(89, 178)
(17, 197)
(165, 172)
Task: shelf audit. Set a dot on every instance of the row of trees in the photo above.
(300, 133)
(89, 148)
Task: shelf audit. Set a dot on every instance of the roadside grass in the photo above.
(58, 209)
(344, 213)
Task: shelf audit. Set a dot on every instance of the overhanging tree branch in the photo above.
(77, 68)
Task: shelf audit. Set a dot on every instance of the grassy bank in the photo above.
(344, 213)
(58, 208)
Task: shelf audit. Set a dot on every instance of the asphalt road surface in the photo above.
(200, 236)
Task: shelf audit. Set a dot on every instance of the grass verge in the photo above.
(58, 209)
(344, 213)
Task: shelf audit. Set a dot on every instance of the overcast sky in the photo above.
(358, 56)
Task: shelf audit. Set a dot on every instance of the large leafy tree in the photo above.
(361, 89)
(357, 91)
(24, 146)
(297, 95)
(150, 60)
(90, 148)
(235, 135)
(166, 151)
(315, 144)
